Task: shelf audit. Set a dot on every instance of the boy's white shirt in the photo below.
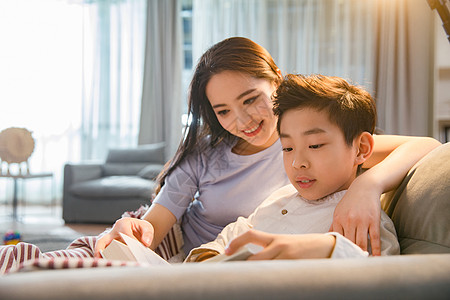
(286, 212)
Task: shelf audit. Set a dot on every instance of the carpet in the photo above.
(48, 243)
(51, 240)
(47, 233)
(44, 227)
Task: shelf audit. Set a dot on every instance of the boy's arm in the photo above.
(297, 246)
(218, 246)
(237, 228)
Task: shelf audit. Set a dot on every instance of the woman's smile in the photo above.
(253, 131)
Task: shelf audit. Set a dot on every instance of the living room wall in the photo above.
(303, 36)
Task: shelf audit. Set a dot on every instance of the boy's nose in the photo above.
(300, 164)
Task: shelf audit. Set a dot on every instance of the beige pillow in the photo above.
(420, 207)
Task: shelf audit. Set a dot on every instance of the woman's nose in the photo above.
(243, 120)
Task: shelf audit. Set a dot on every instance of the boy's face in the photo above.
(316, 157)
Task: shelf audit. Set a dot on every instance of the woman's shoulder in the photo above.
(207, 142)
(205, 152)
(208, 148)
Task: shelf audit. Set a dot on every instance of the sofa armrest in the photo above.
(420, 206)
(81, 172)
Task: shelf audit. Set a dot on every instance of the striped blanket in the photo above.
(79, 254)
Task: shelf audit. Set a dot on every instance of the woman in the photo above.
(230, 159)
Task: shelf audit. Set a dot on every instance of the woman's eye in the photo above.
(250, 101)
(315, 146)
(222, 112)
(287, 149)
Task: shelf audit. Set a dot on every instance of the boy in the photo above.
(325, 126)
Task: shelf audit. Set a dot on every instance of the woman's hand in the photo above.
(357, 215)
(139, 229)
(285, 246)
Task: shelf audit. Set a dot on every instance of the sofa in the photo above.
(419, 207)
(101, 192)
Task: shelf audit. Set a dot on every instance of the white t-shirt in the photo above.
(213, 187)
(286, 212)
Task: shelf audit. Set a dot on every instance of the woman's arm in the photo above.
(358, 213)
(150, 230)
(162, 220)
(404, 150)
(159, 218)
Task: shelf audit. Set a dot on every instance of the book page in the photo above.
(117, 251)
(142, 253)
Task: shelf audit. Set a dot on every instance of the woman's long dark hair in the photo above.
(232, 54)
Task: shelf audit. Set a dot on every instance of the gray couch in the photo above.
(403, 277)
(101, 192)
(420, 209)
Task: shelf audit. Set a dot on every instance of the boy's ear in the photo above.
(365, 147)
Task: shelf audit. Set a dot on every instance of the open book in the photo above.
(133, 250)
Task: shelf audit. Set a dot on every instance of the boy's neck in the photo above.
(322, 198)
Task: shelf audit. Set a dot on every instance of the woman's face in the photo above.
(243, 106)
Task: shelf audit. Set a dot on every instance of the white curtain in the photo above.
(382, 45)
(71, 72)
(40, 88)
(403, 70)
(304, 36)
(162, 99)
(113, 59)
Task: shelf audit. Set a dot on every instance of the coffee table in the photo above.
(24, 177)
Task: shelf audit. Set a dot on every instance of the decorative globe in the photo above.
(16, 145)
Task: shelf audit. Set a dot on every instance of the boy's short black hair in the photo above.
(351, 108)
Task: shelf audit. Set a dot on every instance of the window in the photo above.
(40, 79)
(49, 63)
(186, 15)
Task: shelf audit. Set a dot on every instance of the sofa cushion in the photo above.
(114, 186)
(150, 171)
(420, 207)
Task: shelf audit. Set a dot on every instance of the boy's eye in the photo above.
(250, 101)
(315, 146)
(287, 149)
(222, 112)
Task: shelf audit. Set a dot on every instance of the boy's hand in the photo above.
(358, 215)
(139, 229)
(285, 246)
